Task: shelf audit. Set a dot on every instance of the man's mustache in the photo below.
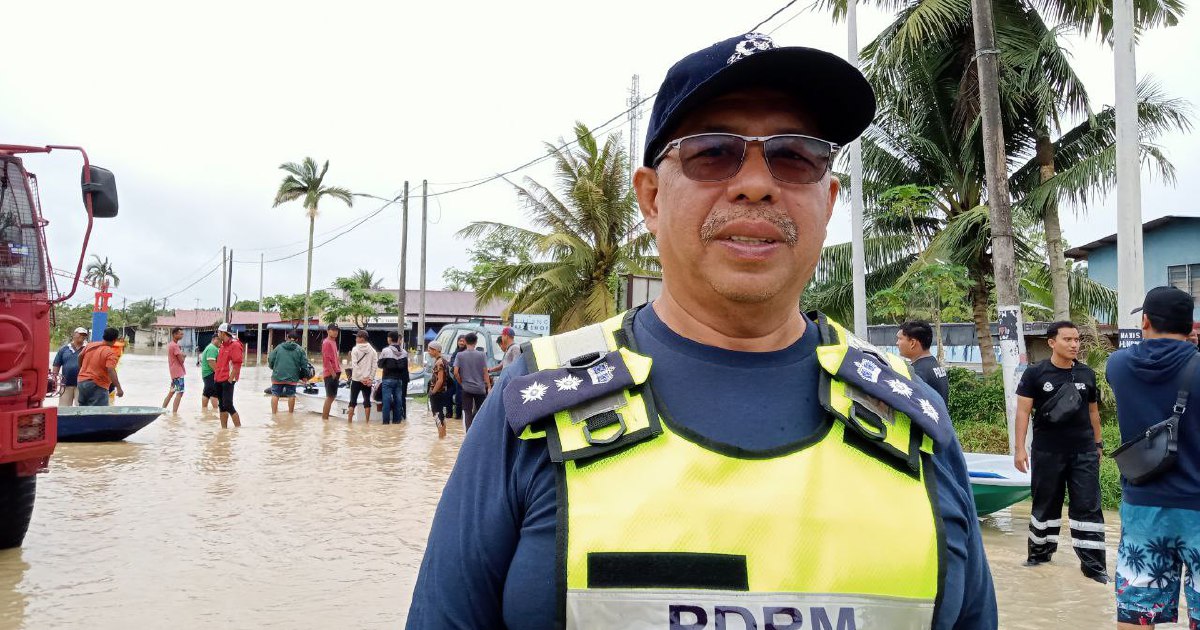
(719, 219)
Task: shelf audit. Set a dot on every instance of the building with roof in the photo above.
(200, 325)
(1170, 255)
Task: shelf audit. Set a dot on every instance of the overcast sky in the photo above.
(194, 106)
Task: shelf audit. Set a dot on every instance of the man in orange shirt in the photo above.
(98, 371)
(227, 371)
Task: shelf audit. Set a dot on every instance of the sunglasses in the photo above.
(714, 157)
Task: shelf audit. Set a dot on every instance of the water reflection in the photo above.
(294, 522)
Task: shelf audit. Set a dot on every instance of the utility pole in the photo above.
(229, 289)
(224, 278)
(1004, 260)
(261, 265)
(1130, 275)
(858, 256)
(424, 228)
(635, 113)
(402, 293)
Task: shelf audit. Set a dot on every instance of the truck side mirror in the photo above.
(103, 189)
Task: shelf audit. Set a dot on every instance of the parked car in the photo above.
(489, 342)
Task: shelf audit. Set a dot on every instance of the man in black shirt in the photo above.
(914, 339)
(1065, 454)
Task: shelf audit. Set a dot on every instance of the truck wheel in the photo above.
(16, 506)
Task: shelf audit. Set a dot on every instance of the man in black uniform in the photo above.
(914, 339)
(1066, 452)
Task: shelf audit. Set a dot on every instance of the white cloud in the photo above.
(194, 109)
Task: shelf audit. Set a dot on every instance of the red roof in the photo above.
(189, 318)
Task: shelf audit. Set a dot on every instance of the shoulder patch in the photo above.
(541, 394)
(876, 377)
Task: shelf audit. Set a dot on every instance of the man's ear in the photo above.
(645, 185)
(835, 185)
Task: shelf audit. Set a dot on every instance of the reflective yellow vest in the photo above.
(658, 528)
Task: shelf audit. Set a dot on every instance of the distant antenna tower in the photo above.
(635, 114)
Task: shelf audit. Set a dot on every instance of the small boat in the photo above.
(103, 424)
(995, 482)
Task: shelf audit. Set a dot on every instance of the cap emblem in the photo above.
(753, 42)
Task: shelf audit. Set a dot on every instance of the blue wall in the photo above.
(1176, 243)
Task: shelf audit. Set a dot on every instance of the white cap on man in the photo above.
(81, 330)
(224, 328)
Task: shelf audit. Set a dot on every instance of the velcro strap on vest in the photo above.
(918, 401)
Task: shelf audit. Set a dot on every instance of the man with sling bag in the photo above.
(1157, 386)
(1061, 394)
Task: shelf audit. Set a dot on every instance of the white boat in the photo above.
(313, 399)
(995, 482)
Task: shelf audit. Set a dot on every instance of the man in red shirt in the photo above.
(175, 365)
(331, 367)
(227, 371)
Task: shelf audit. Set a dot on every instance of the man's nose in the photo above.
(754, 181)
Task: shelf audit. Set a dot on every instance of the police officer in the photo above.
(716, 458)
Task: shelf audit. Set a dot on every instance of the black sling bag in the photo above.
(1064, 404)
(1154, 451)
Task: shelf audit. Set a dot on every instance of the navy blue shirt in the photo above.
(490, 558)
(1145, 380)
(68, 360)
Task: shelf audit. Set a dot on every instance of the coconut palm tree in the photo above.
(927, 134)
(304, 182)
(1037, 84)
(365, 279)
(592, 233)
(99, 273)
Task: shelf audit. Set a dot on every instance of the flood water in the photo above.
(292, 522)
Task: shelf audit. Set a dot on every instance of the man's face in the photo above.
(1066, 344)
(505, 342)
(747, 239)
(78, 338)
(435, 353)
(223, 336)
(177, 336)
(907, 345)
(462, 343)
(333, 333)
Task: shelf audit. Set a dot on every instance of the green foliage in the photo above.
(488, 256)
(304, 182)
(291, 307)
(981, 437)
(246, 305)
(361, 301)
(977, 399)
(367, 279)
(593, 232)
(66, 319)
(141, 314)
(1110, 476)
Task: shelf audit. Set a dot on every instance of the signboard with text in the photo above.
(1129, 337)
(536, 324)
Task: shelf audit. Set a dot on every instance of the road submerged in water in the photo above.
(293, 522)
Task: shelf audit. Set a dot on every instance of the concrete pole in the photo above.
(1004, 259)
(420, 345)
(1131, 280)
(224, 278)
(261, 265)
(403, 263)
(858, 256)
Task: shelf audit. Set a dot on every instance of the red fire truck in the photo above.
(28, 293)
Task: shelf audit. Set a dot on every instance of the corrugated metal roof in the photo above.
(190, 318)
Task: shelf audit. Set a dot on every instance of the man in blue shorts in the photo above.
(717, 458)
(1160, 517)
(287, 362)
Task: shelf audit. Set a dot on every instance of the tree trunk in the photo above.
(1054, 240)
(937, 329)
(983, 325)
(312, 224)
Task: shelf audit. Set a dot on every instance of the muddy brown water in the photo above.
(292, 522)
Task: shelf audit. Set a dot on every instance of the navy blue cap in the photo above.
(833, 92)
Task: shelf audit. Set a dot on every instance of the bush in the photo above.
(974, 398)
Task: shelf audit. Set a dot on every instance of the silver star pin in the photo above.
(536, 391)
(568, 383)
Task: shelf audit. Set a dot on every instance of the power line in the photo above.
(329, 240)
(754, 29)
(194, 283)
